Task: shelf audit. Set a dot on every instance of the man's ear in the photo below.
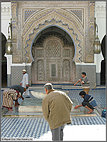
(46, 91)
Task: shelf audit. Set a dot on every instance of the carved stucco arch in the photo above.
(59, 39)
(53, 19)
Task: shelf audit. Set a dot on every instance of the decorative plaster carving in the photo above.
(78, 13)
(66, 52)
(90, 51)
(28, 13)
(57, 23)
(66, 70)
(52, 55)
(53, 47)
(14, 21)
(40, 73)
(76, 19)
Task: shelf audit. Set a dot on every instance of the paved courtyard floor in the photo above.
(79, 133)
(83, 127)
(36, 127)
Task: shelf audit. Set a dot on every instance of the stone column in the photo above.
(89, 54)
(9, 64)
(100, 14)
(97, 60)
(14, 21)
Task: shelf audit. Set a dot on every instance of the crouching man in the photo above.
(88, 102)
(56, 108)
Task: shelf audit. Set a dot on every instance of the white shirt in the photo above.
(25, 80)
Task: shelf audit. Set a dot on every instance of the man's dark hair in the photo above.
(82, 93)
(84, 73)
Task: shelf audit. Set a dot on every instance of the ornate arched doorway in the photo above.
(103, 63)
(53, 52)
(4, 61)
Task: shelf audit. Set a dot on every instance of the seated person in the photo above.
(85, 83)
(88, 102)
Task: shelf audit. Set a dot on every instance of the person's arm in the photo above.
(21, 83)
(45, 109)
(77, 82)
(78, 106)
(85, 81)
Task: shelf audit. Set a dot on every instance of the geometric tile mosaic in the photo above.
(35, 127)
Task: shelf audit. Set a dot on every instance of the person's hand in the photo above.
(82, 82)
(80, 79)
(75, 107)
(75, 84)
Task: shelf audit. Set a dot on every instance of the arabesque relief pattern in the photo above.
(63, 65)
(77, 21)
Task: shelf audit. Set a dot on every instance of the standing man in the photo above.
(24, 83)
(84, 82)
(56, 108)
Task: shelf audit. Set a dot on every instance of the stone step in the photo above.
(28, 109)
(63, 86)
(23, 114)
(38, 114)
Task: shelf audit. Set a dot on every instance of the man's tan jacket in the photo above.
(56, 108)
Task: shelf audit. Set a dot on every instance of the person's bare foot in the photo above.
(90, 111)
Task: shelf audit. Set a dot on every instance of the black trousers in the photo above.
(87, 104)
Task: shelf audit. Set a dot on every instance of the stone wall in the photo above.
(90, 70)
(16, 74)
(30, 18)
